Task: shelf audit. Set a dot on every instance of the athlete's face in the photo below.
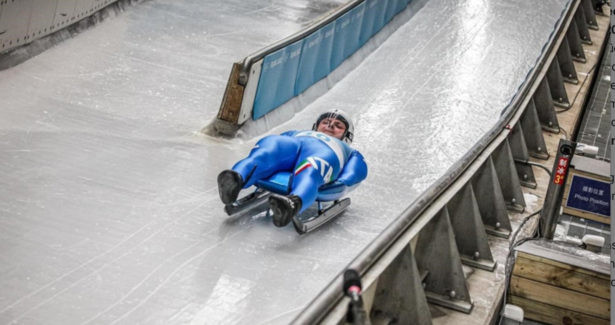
(332, 127)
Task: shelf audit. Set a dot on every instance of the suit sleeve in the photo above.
(354, 171)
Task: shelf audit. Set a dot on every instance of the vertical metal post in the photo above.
(507, 175)
(579, 18)
(574, 41)
(556, 85)
(590, 14)
(565, 63)
(470, 235)
(555, 191)
(399, 296)
(544, 107)
(520, 152)
(532, 131)
(491, 200)
(436, 252)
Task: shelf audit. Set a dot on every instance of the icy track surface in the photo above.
(110, 212)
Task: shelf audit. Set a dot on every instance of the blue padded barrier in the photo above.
(393, 8)
(292, 69)
(352, 41)
(389, 11)
(277, 81)
(341, 31)
(369, 16)
(315, 63)
(347, 32)
(380, 21)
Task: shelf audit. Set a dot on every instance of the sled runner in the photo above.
(329, 203)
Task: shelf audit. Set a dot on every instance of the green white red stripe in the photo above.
(305, 164)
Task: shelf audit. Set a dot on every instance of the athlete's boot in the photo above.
(284, 208)
(229, 185)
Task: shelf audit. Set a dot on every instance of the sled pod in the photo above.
(574, 42)
(545, 109)
(532, 132)
(437, 254)
(399, 294)
(491, 202)
(507, 175)
(520, 152)
(470, 234)
(565, 64)
(556, 85)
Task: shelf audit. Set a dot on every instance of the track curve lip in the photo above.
(111, 212)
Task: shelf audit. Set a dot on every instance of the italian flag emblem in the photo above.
(305, 164)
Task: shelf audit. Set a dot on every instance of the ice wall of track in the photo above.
(110, 211)
(22, 22)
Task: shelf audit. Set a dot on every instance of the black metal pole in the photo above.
(555, 191)
(352, 288)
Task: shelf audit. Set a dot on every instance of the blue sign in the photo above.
(590, 195)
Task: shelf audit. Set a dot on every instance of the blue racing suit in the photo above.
(314, 158)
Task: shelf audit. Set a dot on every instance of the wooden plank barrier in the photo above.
(558, 293)
(554, 315)
(562, 275)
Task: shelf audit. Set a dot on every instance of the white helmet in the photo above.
(342, 116)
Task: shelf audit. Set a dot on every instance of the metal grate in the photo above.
(595, 126)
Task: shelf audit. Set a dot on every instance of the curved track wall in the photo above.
(23, 21)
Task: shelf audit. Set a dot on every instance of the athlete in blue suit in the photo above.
(316, 157)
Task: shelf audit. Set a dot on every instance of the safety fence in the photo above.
(270, 77)
(23, 21)
(418, 258)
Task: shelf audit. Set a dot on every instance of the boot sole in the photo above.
(228, 187)
(279, 220)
